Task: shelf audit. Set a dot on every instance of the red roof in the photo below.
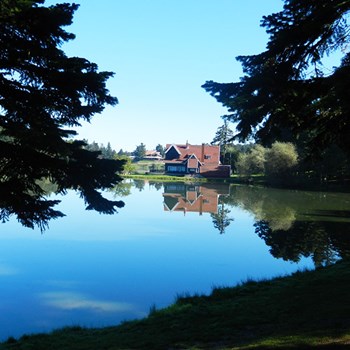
(207, 154)
(192, 162)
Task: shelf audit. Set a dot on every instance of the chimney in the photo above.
(187, 144)
(202, 154)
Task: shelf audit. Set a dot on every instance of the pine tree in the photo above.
(223, 137)
(160, 149)
(286, 91)
(42, 92)
(140, 151)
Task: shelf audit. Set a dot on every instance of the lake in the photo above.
(170, 239)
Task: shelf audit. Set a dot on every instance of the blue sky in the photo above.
(162, 51)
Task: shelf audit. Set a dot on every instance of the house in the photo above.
(152, 155)
(187, 198)
(201, 160)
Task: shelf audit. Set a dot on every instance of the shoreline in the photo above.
(256, 180)
(306, 309)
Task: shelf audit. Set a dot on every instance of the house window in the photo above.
(176, 169)
(207, 156)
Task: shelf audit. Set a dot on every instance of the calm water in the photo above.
(95, 270)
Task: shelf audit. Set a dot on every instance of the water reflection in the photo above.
(200, 199)
(297, 224)
(204, 198)
(100, 270)
(294, 224)
(33, 208)
(75, 301)
(325, 242)
(221, 220)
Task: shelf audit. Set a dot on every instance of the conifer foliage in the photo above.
(288, 92)
(43, 93)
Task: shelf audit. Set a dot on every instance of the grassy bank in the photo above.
(154, 171)
(305, 310)
(166, 178)
(256, 180)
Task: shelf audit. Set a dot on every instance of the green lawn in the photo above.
(148, 166)
(305, 310)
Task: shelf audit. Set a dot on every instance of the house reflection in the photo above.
(199, 198)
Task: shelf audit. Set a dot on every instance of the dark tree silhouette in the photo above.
(42, 92)
(286, 91)
(325, 242)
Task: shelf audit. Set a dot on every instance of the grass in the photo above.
(162, 177)
(168, 178)
(154, 170)
(147, 166)
(305, 310)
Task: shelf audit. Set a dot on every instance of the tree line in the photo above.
(284, 163)
(109, 153)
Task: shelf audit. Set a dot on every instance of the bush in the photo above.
(252, 162)
(280, 159)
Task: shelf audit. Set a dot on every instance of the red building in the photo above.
(202, 160)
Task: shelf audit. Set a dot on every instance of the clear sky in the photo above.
(162, 51)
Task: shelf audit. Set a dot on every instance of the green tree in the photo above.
(140, 151)
(230, 157)
(242, 165)
(108, 152)
(280, 160)
(123, 153)
(233, 152)
(42, 92)
(252, 162)
(94, 146)
(286, 90)
(128, 167)
(223, 138)
(160, 149)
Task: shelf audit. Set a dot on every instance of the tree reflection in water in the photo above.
(199, 198)
(325, 243)
(36, 210)
(221, 220)
(296, 224)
